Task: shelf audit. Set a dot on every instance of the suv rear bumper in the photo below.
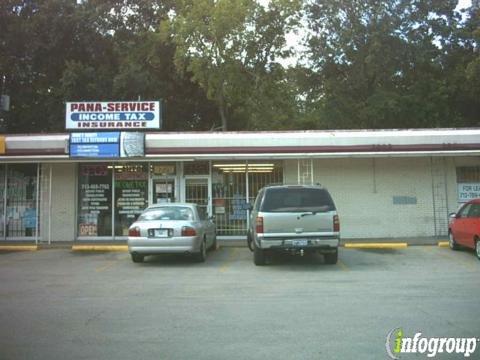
(293, 243)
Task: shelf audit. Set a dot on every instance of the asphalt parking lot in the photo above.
(58, 304)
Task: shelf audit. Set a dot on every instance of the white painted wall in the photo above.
(63, 203)
(363, 190)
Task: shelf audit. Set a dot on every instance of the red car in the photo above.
(464, 227)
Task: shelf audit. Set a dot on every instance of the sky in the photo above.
(463, 4)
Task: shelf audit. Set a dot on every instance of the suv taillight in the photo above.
(134, 232)
(259, 225)
(336, 223)
(188, 231)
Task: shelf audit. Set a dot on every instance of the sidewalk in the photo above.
(121, 245)
(241, 242)
(411, 241)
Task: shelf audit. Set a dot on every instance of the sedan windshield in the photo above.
(167, 213)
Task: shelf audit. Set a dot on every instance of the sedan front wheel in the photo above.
(451, 242)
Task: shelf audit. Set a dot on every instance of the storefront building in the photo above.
(390, 183)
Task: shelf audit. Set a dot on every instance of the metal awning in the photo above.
(190, 146)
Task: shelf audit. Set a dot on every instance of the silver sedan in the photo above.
(172, 228)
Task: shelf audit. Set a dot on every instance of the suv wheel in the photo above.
(201, 256)
(214, 244)
(137, 258)
(331, 258)
(258, 256)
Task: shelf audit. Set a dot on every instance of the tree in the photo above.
(462, 69)
(381, 64)
(39, 40)
(147, 71)
(230, 46)
(95, 50)
(368, 63)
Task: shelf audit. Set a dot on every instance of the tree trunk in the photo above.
(221, 110)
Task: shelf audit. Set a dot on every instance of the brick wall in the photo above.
(383, 197)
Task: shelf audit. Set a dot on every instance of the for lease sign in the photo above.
(468, 191)
(121, 115)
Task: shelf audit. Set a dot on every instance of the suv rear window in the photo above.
(297, 200)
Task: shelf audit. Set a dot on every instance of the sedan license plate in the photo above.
(300, 243)
(159, 233)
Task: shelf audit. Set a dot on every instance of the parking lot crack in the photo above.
(94, 317)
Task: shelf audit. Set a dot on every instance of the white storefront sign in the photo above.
(468, 191)
(120, 115)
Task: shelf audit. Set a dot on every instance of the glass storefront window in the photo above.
(468, 174)
(196, 168)
(108, 209)
(229, 197)
(2, 201)
(196, 191)
(229, 189)
(21, 211)
(261, 174)
(164, 184)
(131, 195)
(468, 183)
(95, 200)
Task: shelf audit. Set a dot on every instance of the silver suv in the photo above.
(296, 219)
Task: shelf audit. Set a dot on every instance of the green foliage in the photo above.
(98, 50)
(218, 63)
(387, 64)
(46, 48)
(230, 48)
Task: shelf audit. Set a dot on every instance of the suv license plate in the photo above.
(161, 233)
(300, 242)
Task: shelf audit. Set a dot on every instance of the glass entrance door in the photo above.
(235, 182)
(163, 191)
(196, 191)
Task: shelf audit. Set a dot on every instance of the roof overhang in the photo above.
(260, 145)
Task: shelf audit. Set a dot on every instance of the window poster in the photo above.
(95, 200)
(21, 212)
(131, 195)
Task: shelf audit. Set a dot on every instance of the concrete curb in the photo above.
(18, 247)
(121, 248)
(375, 245)
(124, 248)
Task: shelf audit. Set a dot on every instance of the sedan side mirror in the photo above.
(452, 215)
